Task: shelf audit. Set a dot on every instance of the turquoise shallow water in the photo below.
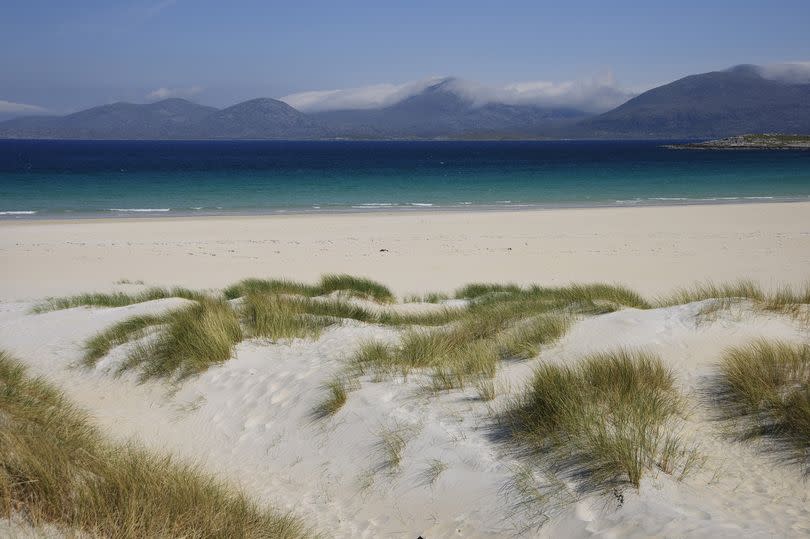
(115, 178)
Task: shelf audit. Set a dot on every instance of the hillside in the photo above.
(710, 105)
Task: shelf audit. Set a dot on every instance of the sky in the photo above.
(58, 56)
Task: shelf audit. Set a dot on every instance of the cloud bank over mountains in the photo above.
(597, 94)
(166, 93)
(790, 72)
(9, 107)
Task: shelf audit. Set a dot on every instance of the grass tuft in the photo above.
(486, 389)
(434, 469)
(348, 284)
(130, 329)
(391, 445)
(116, 299)
(468, 349)
(57, 469)
(280, 317)
(190, 340)
(743, 289)
(355, 286)
(431, 297)
(605, 421)
(764, 390)
(524, 340)
(337, 394)
(478, 290)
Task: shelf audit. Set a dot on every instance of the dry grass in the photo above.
(486, 389)
(337, 394)
(764, 391)
(434, 469)
(190, 340)
(604, 421)
(125, 331)
(708, 290)
(279, 317)
(785, 299)
(615, 296)
(347, 284)
(457, 344)
(391, 444)
(468, 349)
(57, 469)
(431, 297)
(116, 299)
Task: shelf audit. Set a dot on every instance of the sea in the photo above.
(93, 179)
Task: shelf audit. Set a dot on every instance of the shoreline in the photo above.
(17, 216)
(653, 249)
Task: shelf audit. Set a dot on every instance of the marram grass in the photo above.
(125, 331)
(785, 299)
(189, 340)
(764, 390)
(604, 421)
(467, 349)
(499, 321)
(116, 299)
(280, 317)
(57, 469)
(337, 391)
(350, 285)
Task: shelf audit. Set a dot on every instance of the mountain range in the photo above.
(716, 104)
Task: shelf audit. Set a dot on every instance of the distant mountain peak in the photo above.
(742, 99)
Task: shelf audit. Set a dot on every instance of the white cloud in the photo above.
(166, 93)
(792, 72)
(364, 97)
(21, 108)
(595, 94)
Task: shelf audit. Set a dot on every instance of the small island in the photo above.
(762, 141)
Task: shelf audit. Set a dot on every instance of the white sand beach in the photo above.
(653, 249)
(249, 419)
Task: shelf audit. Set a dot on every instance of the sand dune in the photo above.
(250, 421)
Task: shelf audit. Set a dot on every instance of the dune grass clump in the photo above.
(190, 340)
(267, 286)
(468, 349)
(356, 286)
(486, 389)
(702, 291)
(56, 469)
(457, 343)
(352, 286)
(783, 298)
(764, 390)
(125, 331)
(280, 317)
(604, 421)
(477, 290)
(430, 297)
(574, 295)
(391, 444)
(524, 340)
(116, 299)
(337, 393)
(431, 473)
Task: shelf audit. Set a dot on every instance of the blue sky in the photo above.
(66, 55)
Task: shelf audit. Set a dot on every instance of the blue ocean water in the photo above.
(116, 178)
